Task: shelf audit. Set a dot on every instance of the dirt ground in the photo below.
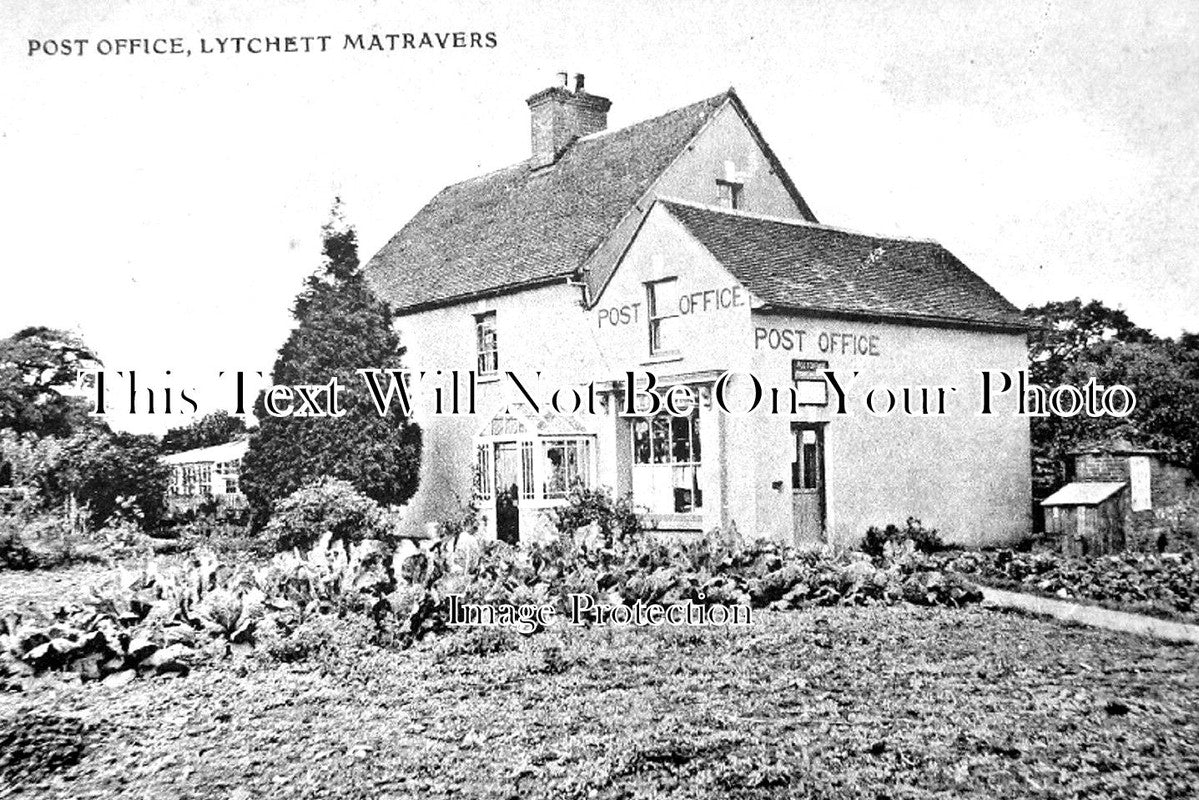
(862, 702)
(48, 588)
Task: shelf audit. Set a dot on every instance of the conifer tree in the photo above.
(341, 327)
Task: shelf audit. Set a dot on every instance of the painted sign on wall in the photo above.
(826, 342)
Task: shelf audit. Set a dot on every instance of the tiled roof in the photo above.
(809, 267)
(523, 225)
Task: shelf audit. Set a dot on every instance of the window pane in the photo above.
(485, 338)
(683, 484)
(696, 452)
(555, 470)
(680, 438)
(809, 462)
(667, 337)
(641, 441)
(527, 486)
(661, 439)
(585, 464)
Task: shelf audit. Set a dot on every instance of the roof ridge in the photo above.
(737, 212)
(713, 101)
(526, 162)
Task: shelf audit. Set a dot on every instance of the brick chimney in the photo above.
(559, 116)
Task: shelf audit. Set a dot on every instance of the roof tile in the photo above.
(799, 265)
(522, 224)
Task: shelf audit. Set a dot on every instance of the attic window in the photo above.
(488, 351)
(730, 193)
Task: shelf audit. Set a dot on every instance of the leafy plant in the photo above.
(615, 518)
(330, 507)
(923, 540)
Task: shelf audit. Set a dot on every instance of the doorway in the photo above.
(807, 484)
(507, 492)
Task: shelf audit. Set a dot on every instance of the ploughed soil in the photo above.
(48, 587)
(839, 702)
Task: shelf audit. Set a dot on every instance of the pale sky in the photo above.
(167, 208)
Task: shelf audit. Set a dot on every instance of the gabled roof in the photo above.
(802, 266)
(523, 226)
(519, 419)
(217, 453)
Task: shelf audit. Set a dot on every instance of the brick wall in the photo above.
(1173, 522)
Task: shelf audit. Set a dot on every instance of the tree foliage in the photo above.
(111, 474)
(36, 364)
(219, 427)
(341, 328)
(1076, 342)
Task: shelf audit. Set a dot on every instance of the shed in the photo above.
(1087, 518)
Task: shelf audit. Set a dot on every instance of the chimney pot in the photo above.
(578, 83)
(564, 79)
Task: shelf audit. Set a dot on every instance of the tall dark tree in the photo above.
(341, 327)
(219, 427)
(36, 365)
(1075, 342)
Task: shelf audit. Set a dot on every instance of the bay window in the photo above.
(667, 463)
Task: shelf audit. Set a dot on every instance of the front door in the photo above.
(807, 484)
(507, 492)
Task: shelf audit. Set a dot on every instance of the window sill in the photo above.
(491, 377)
(674, 522)
(663, 358)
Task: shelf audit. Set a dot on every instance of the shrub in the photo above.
(329, 506)
(923, 540)
(112, 474)
(229, 540)
(323, 638)
(44, 541)
(615, 517)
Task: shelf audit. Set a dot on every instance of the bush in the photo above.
(113, 475)
(230, 540)
(923, 540)
(322, 638)
(43, 541)
(329, 506)
(615, 518)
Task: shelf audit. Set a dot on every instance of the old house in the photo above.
(680, 246)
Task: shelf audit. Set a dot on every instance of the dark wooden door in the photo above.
(507, 492)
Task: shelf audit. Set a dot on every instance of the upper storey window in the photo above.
(488, 360)
(661, 299)
(730, 193)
